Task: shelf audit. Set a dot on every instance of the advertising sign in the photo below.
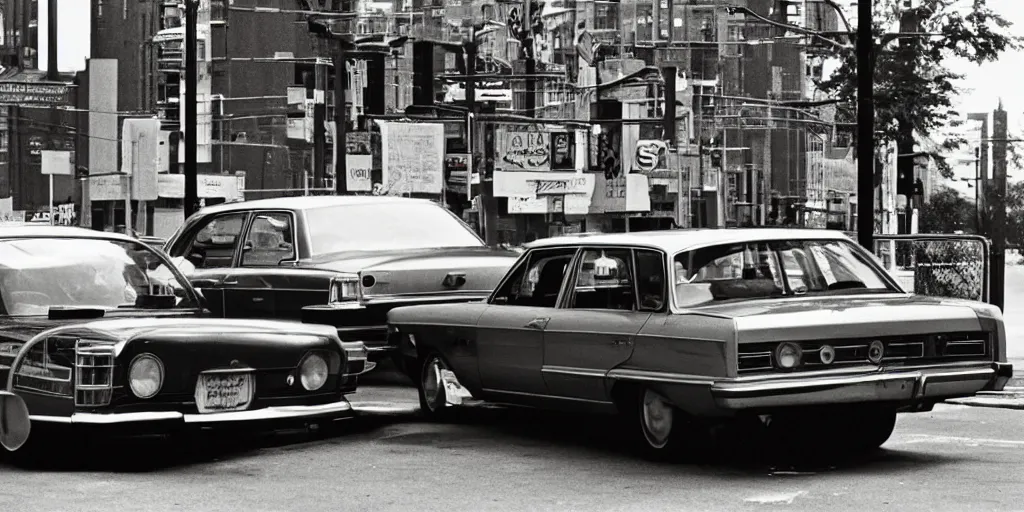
(522, 148)
(563, 151)
(360, 177)
(649, 155)
(457, 172)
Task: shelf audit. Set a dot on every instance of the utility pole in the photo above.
(865, 129)
(190, 123)
(997, 277)
(52, 74)
(488, 208)
(340, 124)
(909, 23)
(319, 127)
(531, 60)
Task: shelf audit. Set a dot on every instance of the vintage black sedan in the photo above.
(799, 331)
(101, 330)
(343, 261)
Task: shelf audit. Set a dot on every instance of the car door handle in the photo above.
(233, 281)
(622, 341)
(538, 323)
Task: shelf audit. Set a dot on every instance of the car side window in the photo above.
(650, 280)
(538, 282)
(605, 280)
(215, 243)
(270, 240)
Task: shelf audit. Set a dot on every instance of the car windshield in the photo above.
(773, 269)
(386, 226)
(39, 273)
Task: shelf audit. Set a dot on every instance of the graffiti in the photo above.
(563, 151)
(63, 215)
(649, 154)
(560, 187)
(524, 148)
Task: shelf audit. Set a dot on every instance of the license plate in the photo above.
(220, 392)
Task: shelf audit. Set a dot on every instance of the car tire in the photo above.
(433, 401)
(873, 429)
(657, 429)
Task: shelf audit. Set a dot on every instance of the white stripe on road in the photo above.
(968, 441)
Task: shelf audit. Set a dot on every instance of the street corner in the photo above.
(1009, 398)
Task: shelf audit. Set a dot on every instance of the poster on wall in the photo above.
(359, 169)
(522, 148)
(413, 158)
(456, 171)
(563, 151)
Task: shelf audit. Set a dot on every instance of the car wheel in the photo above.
(659, 430)
(433, 400)
(873, 429)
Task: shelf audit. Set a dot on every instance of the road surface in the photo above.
(955, 458)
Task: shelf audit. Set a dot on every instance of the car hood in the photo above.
(848, 316)
(185, 329)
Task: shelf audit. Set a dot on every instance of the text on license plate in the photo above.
(219, 392)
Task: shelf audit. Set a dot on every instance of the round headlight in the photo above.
(788, 355)
(876, 351)
(146, 375)
(313, 372)
(827, 354)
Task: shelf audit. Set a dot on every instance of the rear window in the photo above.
(773, 269)
(386, 226)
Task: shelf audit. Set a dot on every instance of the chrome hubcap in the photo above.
(433, 388)
(656, 419)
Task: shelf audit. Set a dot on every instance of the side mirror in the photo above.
(247, 246)
(285, 246)
(14, 421)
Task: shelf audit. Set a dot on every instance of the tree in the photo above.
(911, 83)
(947, 212)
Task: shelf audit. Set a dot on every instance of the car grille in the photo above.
(918, 349)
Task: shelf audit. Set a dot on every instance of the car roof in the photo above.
(43, 230)
(310, 202)
(677, 240)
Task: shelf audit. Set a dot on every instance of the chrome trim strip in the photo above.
(551, 397)
(363, 328)
(375, 349)
(269, 413)
(228, 370)
(669, 378)
(728, 388)
(573, 371)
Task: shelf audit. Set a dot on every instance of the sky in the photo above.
(73, 38)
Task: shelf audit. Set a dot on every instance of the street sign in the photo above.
(56, 162)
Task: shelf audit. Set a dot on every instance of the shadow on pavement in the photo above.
(740, 452)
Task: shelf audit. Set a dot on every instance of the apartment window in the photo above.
(606, 15)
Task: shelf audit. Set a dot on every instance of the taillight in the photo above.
(344, 288)
(94, 373)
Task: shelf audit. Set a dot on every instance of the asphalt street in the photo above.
(954, 458)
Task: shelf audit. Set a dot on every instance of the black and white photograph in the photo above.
(511, 255)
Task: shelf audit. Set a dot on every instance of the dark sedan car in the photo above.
(344, 261)
(100, 330)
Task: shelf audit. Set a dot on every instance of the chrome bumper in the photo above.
(335, 410)
(906, 386)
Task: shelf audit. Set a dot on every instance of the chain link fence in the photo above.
(954, 266)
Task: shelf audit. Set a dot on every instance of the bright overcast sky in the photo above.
(73, 38)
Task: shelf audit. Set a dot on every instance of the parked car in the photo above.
(343, 261)
(798, 332)
(100, 330)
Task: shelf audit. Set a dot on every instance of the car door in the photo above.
(510, 333)
(613, 293)
(211, 246)
(261, 286)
